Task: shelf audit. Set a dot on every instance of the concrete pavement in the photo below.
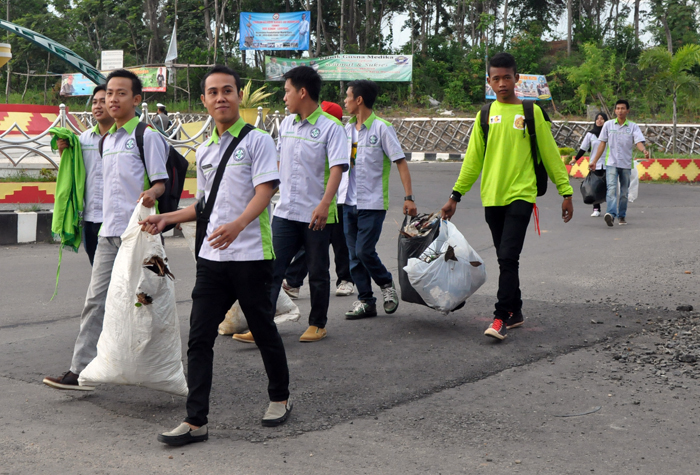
(415, 392)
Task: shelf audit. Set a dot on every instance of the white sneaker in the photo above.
(345, 288)
(595, 213)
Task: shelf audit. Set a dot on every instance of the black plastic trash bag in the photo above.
(413, 246)
(594, 188)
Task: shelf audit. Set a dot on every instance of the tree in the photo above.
(673, 72)
(595, 77)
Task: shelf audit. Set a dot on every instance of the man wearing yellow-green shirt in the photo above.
(508, 183)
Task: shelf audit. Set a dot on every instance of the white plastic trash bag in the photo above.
(235, 322)
(448, 272)
(140, 341)
(633, 192)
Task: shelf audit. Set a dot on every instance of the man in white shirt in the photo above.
(94, 183)
(303, 33)
(124, 179)
(621, 136)
(235, 260)
(313, 154)
(375, 147)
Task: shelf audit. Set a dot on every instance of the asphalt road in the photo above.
(413, 392)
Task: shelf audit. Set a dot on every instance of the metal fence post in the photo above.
(62, 114)
(144, 113)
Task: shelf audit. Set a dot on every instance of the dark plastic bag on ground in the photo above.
(594, 188)
(413, 246)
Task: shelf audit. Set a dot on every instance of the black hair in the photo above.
(366, 89)
(136, 86)
(220, 68)
(623, 101)
(306, 77)
(98, 88)
(503, 60)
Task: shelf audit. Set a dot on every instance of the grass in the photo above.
(45, 175)
(29, 208)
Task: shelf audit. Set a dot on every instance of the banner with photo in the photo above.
(153, 80)
(274, 31)
(529, 87)
(347, 67)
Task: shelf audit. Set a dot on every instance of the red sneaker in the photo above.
(497, 329)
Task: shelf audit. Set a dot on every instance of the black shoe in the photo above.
(360, 310)
(68, 381)
(497, 329)
(609, 219)
(514, 321)
(183, 435)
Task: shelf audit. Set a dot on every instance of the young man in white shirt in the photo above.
(94, 183)
(124, 179)
(618, 139)
(235, 260)
(375, 147)
(313, 154)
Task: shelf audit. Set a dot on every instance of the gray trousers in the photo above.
(93, 314)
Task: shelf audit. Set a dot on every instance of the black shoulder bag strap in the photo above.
(138, 134)
(485, 112)
(540, 171)
(204, 207)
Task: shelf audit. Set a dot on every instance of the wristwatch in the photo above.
(456, 196)
(408, 198)
(567, 197)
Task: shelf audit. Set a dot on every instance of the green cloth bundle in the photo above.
(67, 221)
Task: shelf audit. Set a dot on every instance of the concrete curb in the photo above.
(433, 157)
(17, 227)
(20, 227)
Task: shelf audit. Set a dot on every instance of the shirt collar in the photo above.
(313, 117)
(96, 129)
(129, 126)
(627, 122)
(367, 123)
(234, 130)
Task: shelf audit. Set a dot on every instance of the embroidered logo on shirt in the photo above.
(373, 139)
(130, 144)
(495, 119)
(315, 133)
(519, 122)
(240, 153)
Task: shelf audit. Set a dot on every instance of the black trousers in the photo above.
(287, 238)
(508, 226)
(297, 270)
(218, 286)
(91, 229)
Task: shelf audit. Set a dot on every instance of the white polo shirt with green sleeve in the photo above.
(377, 147)
(94, 181)
(124, 174)
(252, 163)
(307, 150)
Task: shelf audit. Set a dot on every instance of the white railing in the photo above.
(416, 134)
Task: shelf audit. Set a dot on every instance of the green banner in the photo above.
(346, 67)
(56, 48)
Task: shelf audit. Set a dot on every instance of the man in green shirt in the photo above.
(508, 183)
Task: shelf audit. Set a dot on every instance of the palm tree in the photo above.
(673, 73)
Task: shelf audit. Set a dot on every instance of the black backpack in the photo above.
(176, 165)
(529, 108)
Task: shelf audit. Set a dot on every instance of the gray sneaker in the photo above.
(276, 413)
(360, 310)
(183, 435)
(391, 298)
